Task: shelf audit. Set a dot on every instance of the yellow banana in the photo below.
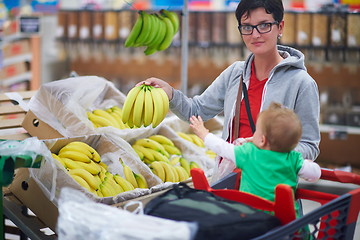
(177, 177)
(149, 143)
(71, 164)
(91, 167)
(175, 160)
(158, 156)
(117, 115)
(211, 154)
(100, 121)
(184, 136)
(126, 185)
(110, 178)
(165, 100)
(145, 152)
(103, 165)
(59, 159)
(158, 107)
(138, 108)
(148, 107)
(172, 150)
(185, 164)
(108, 116)
(74, 148)
(138, 152)
(129, 103)
(82, 182)
(99, 193)
(183, 175)
(95, 155)
(158, 170)
(194, 165)
(106, 189)
(88, 177)
(76, 156)
(135, 31)
(169, 174)
(162, 139)
(129, 175)
(196, 140)
(141, 181)
(102, 176)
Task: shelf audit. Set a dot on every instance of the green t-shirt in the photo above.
(262, 169)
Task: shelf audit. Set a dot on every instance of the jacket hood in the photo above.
(292, 58)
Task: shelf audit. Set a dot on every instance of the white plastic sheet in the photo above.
(80, 218)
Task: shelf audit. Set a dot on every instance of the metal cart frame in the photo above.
(335, 219)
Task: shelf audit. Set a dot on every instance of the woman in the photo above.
(271, 73)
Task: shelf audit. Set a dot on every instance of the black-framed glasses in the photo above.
(261, 28)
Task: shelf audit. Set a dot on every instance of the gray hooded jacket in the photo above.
(288, 84)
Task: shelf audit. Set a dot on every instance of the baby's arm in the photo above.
(212, 142)
(310, 171)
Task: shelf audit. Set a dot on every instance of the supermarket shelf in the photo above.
(20, 58)
(327, 128)
(17, 79)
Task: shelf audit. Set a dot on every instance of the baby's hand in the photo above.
(197, 125)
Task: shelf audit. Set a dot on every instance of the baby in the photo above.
(267, 159)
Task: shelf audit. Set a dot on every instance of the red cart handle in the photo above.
(340, 176)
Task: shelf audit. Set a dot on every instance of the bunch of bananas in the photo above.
(105, 118)
(154, 31)
(136, 179)
(84, 165)
(150, 150)
(163, 158)
(197, 141)
(192, 138)
(145, 105)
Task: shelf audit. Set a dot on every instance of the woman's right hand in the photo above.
(158, 83)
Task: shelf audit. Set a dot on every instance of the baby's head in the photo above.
(280, 126)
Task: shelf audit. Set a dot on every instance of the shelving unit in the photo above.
(29, 60)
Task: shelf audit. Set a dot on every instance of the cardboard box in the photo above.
(13, 70)
(16, 48)
(30, 194)
(35, 127)
(33, 190)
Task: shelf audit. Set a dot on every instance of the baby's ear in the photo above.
(264, 141)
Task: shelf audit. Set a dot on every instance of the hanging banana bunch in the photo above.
(154, 31)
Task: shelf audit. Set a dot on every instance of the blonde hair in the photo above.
(281, 127)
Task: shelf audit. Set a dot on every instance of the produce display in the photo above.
(84, 165)
(105, 118)
(163, 158)
(154, 31)
(197, 141)
(145, 105)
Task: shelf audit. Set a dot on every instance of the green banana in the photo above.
(145, 30)
(135, 31)
(168, 36)
(174, 18)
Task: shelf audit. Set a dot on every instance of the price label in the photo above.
(29, 25)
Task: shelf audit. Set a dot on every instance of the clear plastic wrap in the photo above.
(80, 218)
(63, 104)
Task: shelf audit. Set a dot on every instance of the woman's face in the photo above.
(261, 43)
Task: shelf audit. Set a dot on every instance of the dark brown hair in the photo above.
(274, 7)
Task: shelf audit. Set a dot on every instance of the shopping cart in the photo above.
(334, 219)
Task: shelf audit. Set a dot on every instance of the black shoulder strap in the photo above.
(248, 110)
